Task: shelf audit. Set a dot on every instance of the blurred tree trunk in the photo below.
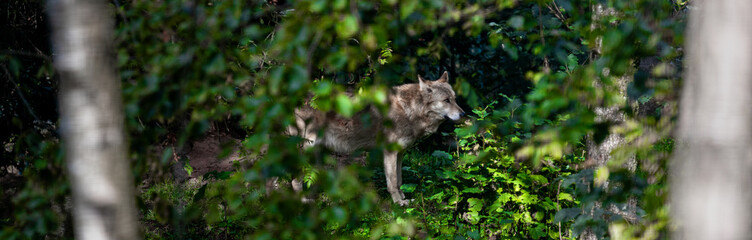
(710, 180)
(91, 120)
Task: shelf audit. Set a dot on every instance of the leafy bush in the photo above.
(481, 190)
(532, 72)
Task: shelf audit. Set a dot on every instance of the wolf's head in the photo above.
(439, 98)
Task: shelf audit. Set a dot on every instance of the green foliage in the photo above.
(636, 41)
(32, 179)
(533, 73)
(195, 71)
(480, 190)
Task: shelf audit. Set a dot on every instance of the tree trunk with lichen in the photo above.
(91, 120)
(710, 170)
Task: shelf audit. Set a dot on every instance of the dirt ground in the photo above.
(203, 155)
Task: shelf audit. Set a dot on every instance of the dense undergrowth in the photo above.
(531, 73)
(477, 190)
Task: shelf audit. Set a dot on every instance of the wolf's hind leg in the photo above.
(297, 185)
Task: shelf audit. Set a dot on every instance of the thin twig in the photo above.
(557, 204)
(311, 50)
(557, 13)
(33, 45)
(27, 54)
(20, 94)
(140, 122)
(122, 15)
(546, 68)
(354, 12)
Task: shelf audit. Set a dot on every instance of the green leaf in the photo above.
(216, 65)
(473, 217)
(526, 217)
(437, 197)
(601, 175)
(565, 196)
(407, 7)
(339, 4)
(166, 156)
(275, 79)
(323, 88)
(318, 6)
(571, 62)
(474, 204)
(539, 179)
(441, 154)
(566, 214)
(505, 197)
(516, 22)
(408, 188)
(338, 214)
(14, 66)
(454, 199)
(187, 167)
(347, 27)
(344, 105)
(527, 198)
(538, 231)
(218, 175)
(200, 193)
(538, 216)
(297, 79)
(512, 51)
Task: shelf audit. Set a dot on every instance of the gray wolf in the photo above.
(415, 110)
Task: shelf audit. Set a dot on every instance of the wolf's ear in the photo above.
(444, 77)
(422, 83)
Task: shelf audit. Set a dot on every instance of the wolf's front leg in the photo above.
(392, 179)
(271, 185)
(399, 176)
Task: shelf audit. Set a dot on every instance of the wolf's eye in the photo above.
(446, 100)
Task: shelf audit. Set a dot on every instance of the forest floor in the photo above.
(204, 155)
(218, 150)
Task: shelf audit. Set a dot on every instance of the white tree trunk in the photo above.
(91, 120)
(710, 180)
